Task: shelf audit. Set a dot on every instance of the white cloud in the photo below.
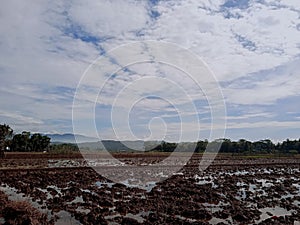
(109, 18)
(218, 45)
(20, 119)
(263, 124)
(250, 115)
(275, 85)
(45, 45)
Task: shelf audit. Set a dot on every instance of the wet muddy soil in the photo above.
(67, 191)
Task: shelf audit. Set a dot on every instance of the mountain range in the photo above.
(70, 138)
(85, 142)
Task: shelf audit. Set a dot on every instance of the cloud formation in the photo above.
(252, 46)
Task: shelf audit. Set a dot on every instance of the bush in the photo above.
(293, 152)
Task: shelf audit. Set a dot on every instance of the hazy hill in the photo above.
(110, 145)
(70, 138)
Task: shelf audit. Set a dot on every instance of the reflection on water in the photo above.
(270, 212)
(133, 183)
(247, 188)
(52, 163)
(102, 184)
(65, 218)
(252, 184)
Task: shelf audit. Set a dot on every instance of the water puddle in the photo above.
(13, 195)
(52, 163)
(296, 203)
(83, 210)
(215, 221)
(214, 207)
(270, 212)
(65, 218)
(138, 217)
(134, 183)
(178, 174)
(202, 180)
(264, 183)
(101, 184)
(238, 173)
(104, 162)
(78, 199)
(185, 218)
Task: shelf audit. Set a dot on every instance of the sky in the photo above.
(48, 49)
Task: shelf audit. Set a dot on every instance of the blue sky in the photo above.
(252, 47)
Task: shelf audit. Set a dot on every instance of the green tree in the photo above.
(63, 148)
(26, 142)
(39, 143)
(226, 145)
(5, 133)
(21, 142)
(201, 146)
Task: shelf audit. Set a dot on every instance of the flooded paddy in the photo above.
(239, 192)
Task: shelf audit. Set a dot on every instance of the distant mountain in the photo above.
(111, 145)
(85, 142)
(70, 138)
(91, 143)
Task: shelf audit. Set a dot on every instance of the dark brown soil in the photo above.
(231, 191)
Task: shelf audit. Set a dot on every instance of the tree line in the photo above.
(23, 142)
(228, 146)
(26, 141)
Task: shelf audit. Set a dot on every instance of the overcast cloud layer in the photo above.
(252, 46)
